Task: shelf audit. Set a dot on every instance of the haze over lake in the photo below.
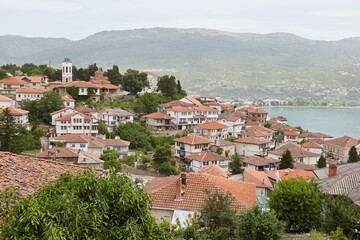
(334, 121)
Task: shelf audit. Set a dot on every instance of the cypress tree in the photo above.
(321, 162)
(353, 155)
(286, 160)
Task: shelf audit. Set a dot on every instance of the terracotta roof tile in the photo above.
(81, 84)
(163, 191)
(175, 103)
(29, 174)
(211, 125)
(13, 81)
(252, 140)
(215, 170)
(295, 152)
(69, 116)
(5, 99)
(205, 108)
(291, 173)
(193, 140)
(16, 111)
(180, 109)
(59, 152)
(194, 101)
(29, 90)
(311, 144)
(158, 115)
(61, 110)
(205, 156)
(345, 141)
(259, 178)
(258, 161)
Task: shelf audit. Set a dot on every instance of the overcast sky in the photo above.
(76, 19)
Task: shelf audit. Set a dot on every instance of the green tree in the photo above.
(109, 155)
(90, 71)
(297, 203)
(169, 87)
(164, 161)
(114, 164)
(136, 134)
(2, 73)
(40, 110)
(134, 81)
(254, 224)
(8, 198)
(286, 160)
(218, 217)
(353, 155)
(148, 102)
(235, 165)
(321, 162)
(340, 211)
(267, 125)
(114, 75)
(85, 206)
(8, 130)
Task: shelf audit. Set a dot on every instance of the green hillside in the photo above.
(277, 65)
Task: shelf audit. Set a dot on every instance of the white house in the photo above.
(31, 94)
(35, 81)
(234, 124)
(260, 163)
(76, 123)
(205, 158)
(153, 81)
(20, 116)
(9, 85)
(211, 114)
(84, 89)
(69, 102)
(299, 154)
(212, 130)
(114, 117)
(6, 102)
(190, 144)
(183, 117)
(60, 113)
(312, 147)
(92, 144)
(250, 146)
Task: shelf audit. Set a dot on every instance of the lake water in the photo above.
(333, 121)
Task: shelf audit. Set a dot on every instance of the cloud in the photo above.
(39, 6)
(338, 13)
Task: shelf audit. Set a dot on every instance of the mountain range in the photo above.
(211, 62)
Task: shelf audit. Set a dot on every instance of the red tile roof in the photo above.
(69, 116)
(193, 140)
(67, 98)
(33, 79)
(163, 191)
(295, 152)
(194, 101)
(61, 110)
(175, 103)
(259, 178)
(311, 145)
(345, 141)
(291, 173)
(16, 111)
(252, 140)
(211, 125)
(59, 152)
(29, 174)
(206, 156)
(291, 133)
(5, 99)
(158, 115)
(180, 109)
(29, 90)
(258, 161)
(215, 170)
(13, 81)
(81, 84)
(203, 108)
(72, 138)
(314, 135)
(253, 110)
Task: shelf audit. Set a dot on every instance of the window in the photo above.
(82, 145)
(73, 145)
(82, 90)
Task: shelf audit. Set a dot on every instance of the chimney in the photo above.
(183, 178)
(332, 170)
(178, 190)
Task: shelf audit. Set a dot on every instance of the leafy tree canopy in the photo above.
(134, 81)
(297, 203)
(136, 134)
(85, 206)
(170, 87)
(235, 165)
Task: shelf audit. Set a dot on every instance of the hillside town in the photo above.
(177, 151)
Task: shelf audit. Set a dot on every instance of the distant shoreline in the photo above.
(313, 106)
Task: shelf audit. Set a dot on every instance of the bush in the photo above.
(253, 225)
(297, 203)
